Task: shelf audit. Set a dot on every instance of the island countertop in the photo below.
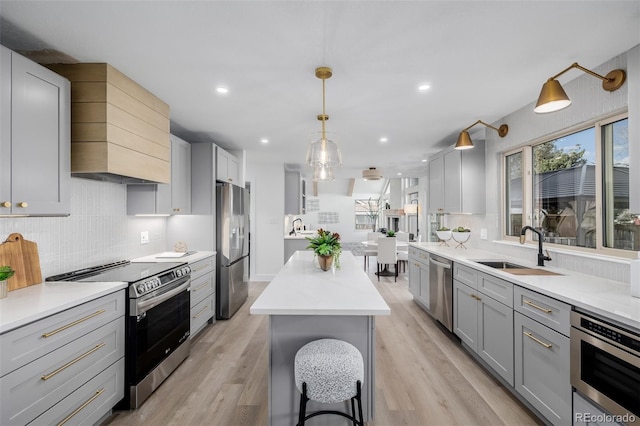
(302, 288)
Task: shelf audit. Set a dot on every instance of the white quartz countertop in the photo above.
(302, 288)
(190, 257)
(608, 298)
(38, 301)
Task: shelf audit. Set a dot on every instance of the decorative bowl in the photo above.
(444, 235)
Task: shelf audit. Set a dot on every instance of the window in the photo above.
(570, 177)
(367, 213)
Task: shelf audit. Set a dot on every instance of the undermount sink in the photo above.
(499, 264)
(515, 269)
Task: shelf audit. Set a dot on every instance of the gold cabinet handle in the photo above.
(23, 204)
(80, 408)
(177, 209)
(76, 322)
(201, 312)
(535, 339)
(475, 297)
(230, 180)
(6, 204)
(540, 308)
(73, 361)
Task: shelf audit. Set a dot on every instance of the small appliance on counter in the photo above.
(157, 324)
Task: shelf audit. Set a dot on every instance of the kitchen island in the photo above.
(304, 304)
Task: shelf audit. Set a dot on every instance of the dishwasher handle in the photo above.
(441, 264)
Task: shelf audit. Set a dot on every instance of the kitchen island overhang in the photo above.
(304, 304)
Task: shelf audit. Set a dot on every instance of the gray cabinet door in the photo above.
(180, 176)
(414, 277)
(425, 287)
(292, 193)
(436, 186)
(5, 130)
(40, 139)
(495, 336)
(452, 182)
(465, 314)
(542, 369)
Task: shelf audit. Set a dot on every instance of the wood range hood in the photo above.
(119, 130)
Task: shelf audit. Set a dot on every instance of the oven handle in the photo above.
(145, 305)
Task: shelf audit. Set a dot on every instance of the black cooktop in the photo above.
(118, 271)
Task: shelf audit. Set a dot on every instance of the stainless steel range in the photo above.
(158, 303)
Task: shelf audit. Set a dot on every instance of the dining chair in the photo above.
(387, 254)
(370, 250)
(403, 252)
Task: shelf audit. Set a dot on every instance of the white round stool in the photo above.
(328, 371)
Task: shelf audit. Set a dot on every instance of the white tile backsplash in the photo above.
(97, 231)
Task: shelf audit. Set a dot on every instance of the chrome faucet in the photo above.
(293, 226)
(541, 257)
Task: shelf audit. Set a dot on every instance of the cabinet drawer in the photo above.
(32, 341)
(496, 288)
(36, 387)
(90, 402)
(202, 287)
(542, 358)
(465, 275)
(419, 255)
(548, 311)
(201, 314)
(202, 267)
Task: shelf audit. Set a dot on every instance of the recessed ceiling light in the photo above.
(222, 90)
(383, 139)
(423, 87)
(399, 174)
(264, 140)
(424, 160)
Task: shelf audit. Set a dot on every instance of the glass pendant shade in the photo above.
(552, 97)
(323, 174)
(323, 152)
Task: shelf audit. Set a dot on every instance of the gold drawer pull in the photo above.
(23, 204)
(6, 204)
(77, 410)
(533, 305)
(73, 361)
(76, 322)
(201, 312)
(535, 339)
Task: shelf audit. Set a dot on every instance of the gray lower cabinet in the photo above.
(76, 376)
(585, 413)
(419, 277)
(203, 294)
(35, 138)
(483, 317)
(542, 357)
(292, 245)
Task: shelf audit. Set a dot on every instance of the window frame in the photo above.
(527, 190)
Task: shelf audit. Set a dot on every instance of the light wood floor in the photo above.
(423, 376)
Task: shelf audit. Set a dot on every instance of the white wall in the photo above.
(97, 232)
(589, 101)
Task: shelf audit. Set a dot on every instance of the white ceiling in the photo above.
(482, 59)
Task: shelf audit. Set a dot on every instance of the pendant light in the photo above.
(323, 153)
(554, 98)
(323, 174)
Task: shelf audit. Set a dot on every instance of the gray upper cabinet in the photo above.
(227, 167)
(457, 181)
(35, 141)
(174, 198)
(294, 193)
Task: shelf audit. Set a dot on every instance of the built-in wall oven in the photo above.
(605, 365)
(158, 323)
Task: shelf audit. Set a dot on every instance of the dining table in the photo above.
(385, 271)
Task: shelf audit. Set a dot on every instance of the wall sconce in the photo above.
(464, 140)
(553, 97)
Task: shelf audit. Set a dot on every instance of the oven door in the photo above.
(158, 325)
(606, 374)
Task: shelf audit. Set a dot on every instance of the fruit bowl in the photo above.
(460, 238)
(444, 236)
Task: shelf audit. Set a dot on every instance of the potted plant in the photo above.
(326, 246)
(391, 233)
(5, 273)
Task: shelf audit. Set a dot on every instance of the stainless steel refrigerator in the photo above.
(232, 234)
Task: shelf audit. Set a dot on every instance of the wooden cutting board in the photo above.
(22, 256)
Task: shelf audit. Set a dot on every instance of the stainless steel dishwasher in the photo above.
(441, 290)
